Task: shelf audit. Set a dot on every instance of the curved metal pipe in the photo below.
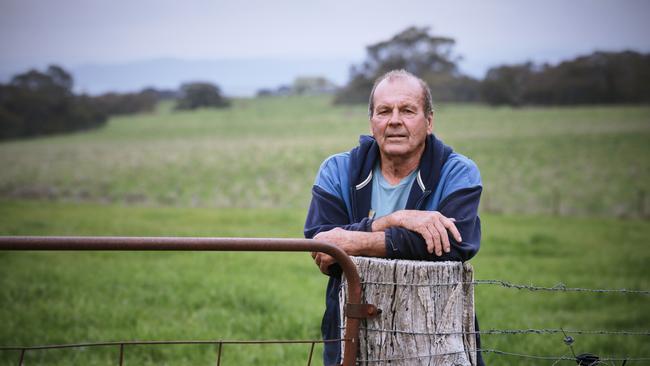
(94, 243)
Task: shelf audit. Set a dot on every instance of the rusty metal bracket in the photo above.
(361, 311)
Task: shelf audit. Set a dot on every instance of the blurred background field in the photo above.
(264, 153)
(561, 205)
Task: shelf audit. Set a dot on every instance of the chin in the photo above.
(396, 151)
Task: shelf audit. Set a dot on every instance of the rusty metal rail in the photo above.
(360, 311)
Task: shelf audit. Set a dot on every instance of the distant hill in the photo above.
(242, 77)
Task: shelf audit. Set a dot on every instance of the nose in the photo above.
(395, 117)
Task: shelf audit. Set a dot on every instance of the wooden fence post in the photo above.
(427, 312)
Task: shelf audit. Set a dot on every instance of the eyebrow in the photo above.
(400, 106)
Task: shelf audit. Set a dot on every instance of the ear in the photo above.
(430, 124)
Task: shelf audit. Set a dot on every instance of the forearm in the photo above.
(383, 223)
(367, 244)
(359, 243)
(403, 243)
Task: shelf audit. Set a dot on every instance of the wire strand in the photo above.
(512, 332)
(560, 287)
(504, 353)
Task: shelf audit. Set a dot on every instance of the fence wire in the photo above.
(512, 332)
(121, 344)
(504, 353)
(560, 287)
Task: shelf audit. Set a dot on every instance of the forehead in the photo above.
(398, 91)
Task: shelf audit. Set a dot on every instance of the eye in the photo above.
(409, 111)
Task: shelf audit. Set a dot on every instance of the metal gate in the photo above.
(355, 311)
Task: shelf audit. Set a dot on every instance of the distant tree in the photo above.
(201, 94)
(11, 125)
(264, 92)
(357, 91)
(507, 84)
(37, 103)
(302, 85)
(127, 103)
(280, 91)
(312, 85)
(161, 94)
(598, 78)
(415, 50)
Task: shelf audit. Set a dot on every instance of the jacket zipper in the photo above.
(425, 194)
(353, 203)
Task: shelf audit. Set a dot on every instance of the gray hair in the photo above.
(427, 101)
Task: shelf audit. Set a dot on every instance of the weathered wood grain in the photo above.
(427, 307)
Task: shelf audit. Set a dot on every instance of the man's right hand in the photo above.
(431, 225)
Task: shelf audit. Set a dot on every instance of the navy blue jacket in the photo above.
(446, 182)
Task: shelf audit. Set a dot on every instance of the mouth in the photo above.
(396, 136)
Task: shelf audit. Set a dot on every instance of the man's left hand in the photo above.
(352, 242)
(336, 236)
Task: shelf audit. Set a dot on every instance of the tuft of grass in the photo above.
(64, 297)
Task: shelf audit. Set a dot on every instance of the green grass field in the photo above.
(265, 153)
(561, 205)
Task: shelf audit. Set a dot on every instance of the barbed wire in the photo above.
(504, 353)
(404, 358)
(513, 332)
(560, 358)
(558, 287)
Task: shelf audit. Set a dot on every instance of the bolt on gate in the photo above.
(355, 310)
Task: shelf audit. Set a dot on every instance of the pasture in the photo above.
(264, 153)
(564, 203)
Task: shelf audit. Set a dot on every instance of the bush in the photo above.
(201, 94)
(36, 103)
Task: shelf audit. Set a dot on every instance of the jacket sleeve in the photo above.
(462, 205)
(326, 212)
(327, 209)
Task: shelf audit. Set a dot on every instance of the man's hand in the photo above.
(431, 225)
(323, 261)
(335, 236)
(352, 242)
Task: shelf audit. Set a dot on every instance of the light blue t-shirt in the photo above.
(387, 198)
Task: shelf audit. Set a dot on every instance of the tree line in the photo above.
(598, 78)
(38, 103)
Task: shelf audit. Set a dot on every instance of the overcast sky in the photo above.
(77, 32)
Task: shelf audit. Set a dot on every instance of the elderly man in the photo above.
(400, 194)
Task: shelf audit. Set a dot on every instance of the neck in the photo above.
(396, 168)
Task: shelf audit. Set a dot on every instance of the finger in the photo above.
(324, 269)
(428, 238)
(443, 236)
(449, 224)
(319, 260)
(437, 246)
(325, 263)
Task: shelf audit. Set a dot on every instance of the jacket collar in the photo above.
(364, 157)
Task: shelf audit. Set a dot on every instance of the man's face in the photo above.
(398, 122)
